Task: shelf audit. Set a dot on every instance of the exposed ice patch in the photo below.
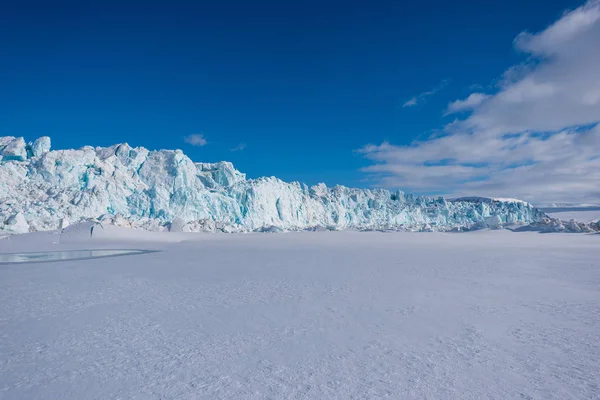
(67, 255)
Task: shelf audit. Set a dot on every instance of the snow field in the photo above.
(339, 315)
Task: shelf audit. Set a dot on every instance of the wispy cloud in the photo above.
(471, 102)
(421, 98)
(411, 102)
(197, 140)
(239, 147)
(536, 137)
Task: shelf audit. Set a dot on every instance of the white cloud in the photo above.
(474, 100)
(535, 138)
(566, 29)
(420, 99)
(410, 102)
(196, 140)
(239, 147)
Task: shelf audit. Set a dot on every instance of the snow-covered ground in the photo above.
(581, 214)
(321, 315)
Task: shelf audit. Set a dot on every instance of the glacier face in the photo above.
(40, 189)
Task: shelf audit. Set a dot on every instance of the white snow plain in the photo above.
(320, 315)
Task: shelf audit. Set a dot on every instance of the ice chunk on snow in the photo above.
(493, 222)
(16, 224)
(16, 149)
(177, 225)
(40, 146)
(63, 223)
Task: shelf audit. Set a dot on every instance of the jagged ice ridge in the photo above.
(40, 189)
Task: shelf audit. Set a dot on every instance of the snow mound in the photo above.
(16, 224)
(81, 231)
(158, 190)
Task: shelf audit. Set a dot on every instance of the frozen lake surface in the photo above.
(49, 256)
(323, 315)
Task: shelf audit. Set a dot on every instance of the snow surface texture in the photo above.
(157, 189)
(320, 315)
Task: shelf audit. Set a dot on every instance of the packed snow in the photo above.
(158, 190)
(308, 315)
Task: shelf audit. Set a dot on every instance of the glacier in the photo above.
(44, 189)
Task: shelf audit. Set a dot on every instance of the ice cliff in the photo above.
(41, 189)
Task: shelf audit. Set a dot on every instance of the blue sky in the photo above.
(296, 87)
